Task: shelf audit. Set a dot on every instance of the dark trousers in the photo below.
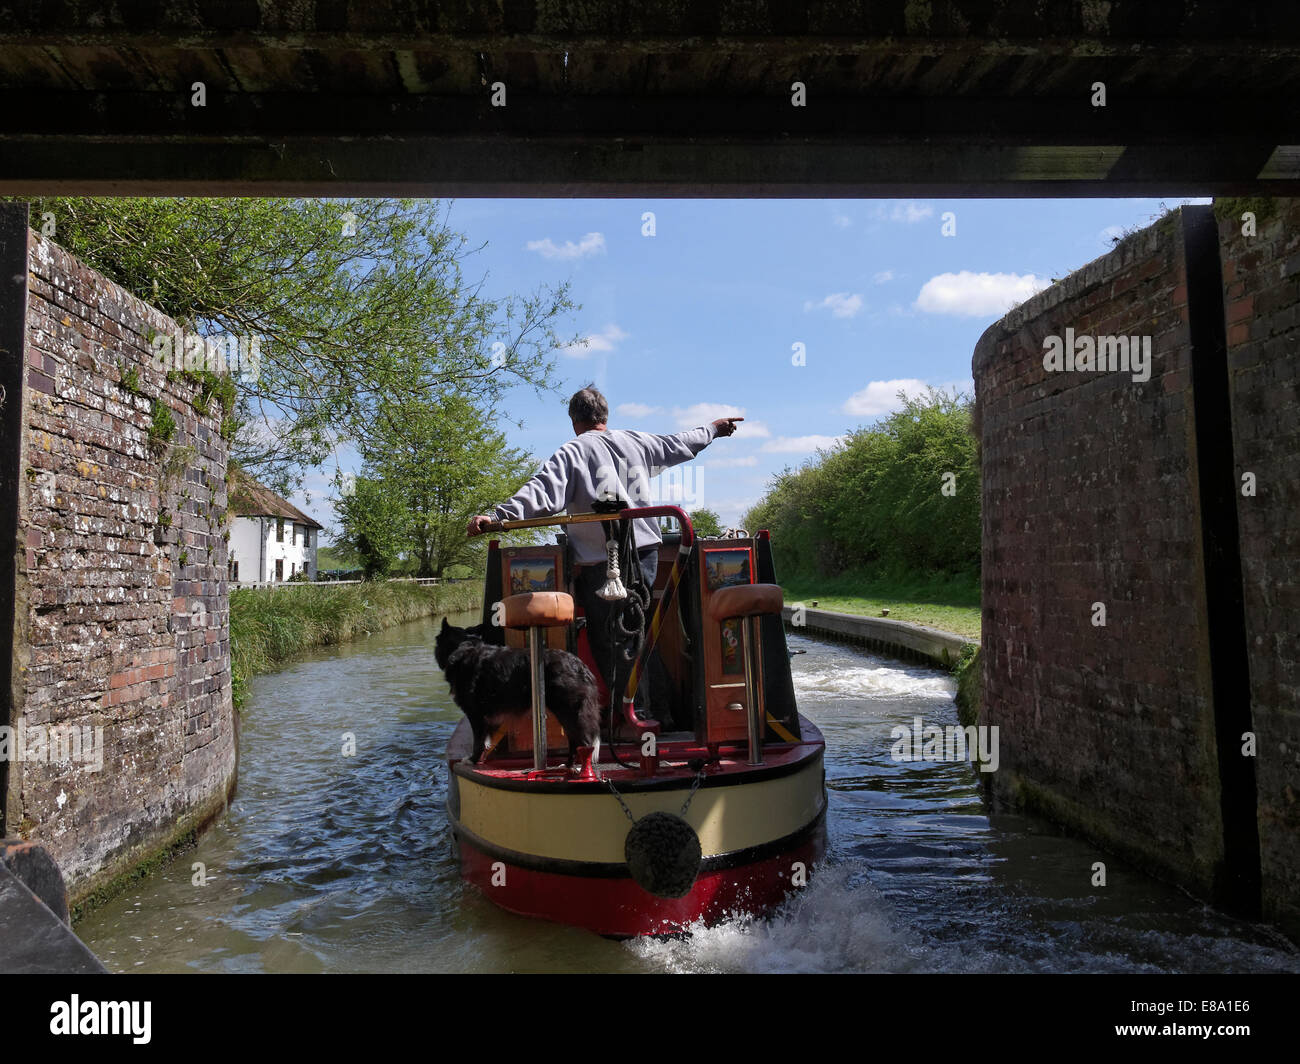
(587, 581)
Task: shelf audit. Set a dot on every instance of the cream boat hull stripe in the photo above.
(719, 863)
(590, 828)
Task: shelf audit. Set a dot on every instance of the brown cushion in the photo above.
(745, 600)
(538, 609)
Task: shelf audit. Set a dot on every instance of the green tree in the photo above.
(351, 302)
(902, 495)
(372, 526)
(441, 463)
(705, 523)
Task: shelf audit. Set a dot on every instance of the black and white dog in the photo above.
(491, 683)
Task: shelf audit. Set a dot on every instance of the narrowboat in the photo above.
(710, 804)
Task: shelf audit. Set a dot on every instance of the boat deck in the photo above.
(676, 751)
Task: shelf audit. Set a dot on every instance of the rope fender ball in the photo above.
(662, 851)
(663, 854)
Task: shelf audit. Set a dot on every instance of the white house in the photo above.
(270, 538)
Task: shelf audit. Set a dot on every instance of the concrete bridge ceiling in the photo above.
(665, 97)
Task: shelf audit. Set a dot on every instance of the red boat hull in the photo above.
(619, 908)
(552, 846)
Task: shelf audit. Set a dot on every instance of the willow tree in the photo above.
(351, 303)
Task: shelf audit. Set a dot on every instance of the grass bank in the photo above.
(267, 627)
(951, 603)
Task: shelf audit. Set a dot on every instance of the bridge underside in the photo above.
(663, 98)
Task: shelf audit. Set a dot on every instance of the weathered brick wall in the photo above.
(1261, 276)
(1090, 496)
(122, 595)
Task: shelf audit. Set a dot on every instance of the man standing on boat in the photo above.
(596, 462)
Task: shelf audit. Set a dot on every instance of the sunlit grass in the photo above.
(949, 602)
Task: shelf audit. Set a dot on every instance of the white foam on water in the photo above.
(841, 923)
(834, 925)
(816, 678)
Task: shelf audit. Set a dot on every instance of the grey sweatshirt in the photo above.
(576, 475)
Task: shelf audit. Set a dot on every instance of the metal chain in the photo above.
(620, 799)
(695, 786)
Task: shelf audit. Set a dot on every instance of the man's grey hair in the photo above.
(588, 407)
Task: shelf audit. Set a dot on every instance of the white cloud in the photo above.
(842, 220)
(907, 211)
(883, 277)
(840, 304)
(691, 417)
(880, 397)
(729, 463)
(591, 244)
(605, 340)
(637, 410)
(977, 294)
(800, 444)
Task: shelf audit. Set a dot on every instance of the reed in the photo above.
(267, 627)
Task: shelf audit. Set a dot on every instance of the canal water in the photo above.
(329, 862)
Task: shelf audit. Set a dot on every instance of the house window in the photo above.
(234, 571)
(279, 530)
(279, 568)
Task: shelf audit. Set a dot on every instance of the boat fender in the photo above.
(663, 854)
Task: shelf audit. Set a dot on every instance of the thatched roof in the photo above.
(248, 498)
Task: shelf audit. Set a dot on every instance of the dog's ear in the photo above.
(445, 625)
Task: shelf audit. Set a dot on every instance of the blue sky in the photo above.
(699, 320)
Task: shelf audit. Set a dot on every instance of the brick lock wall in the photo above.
(1090, 495)
(123, 618)
(1261, 276)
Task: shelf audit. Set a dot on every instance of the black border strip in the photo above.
(618, 870)
(639, 785)
(1238, 880)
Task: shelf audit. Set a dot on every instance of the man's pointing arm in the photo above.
(543, 495)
